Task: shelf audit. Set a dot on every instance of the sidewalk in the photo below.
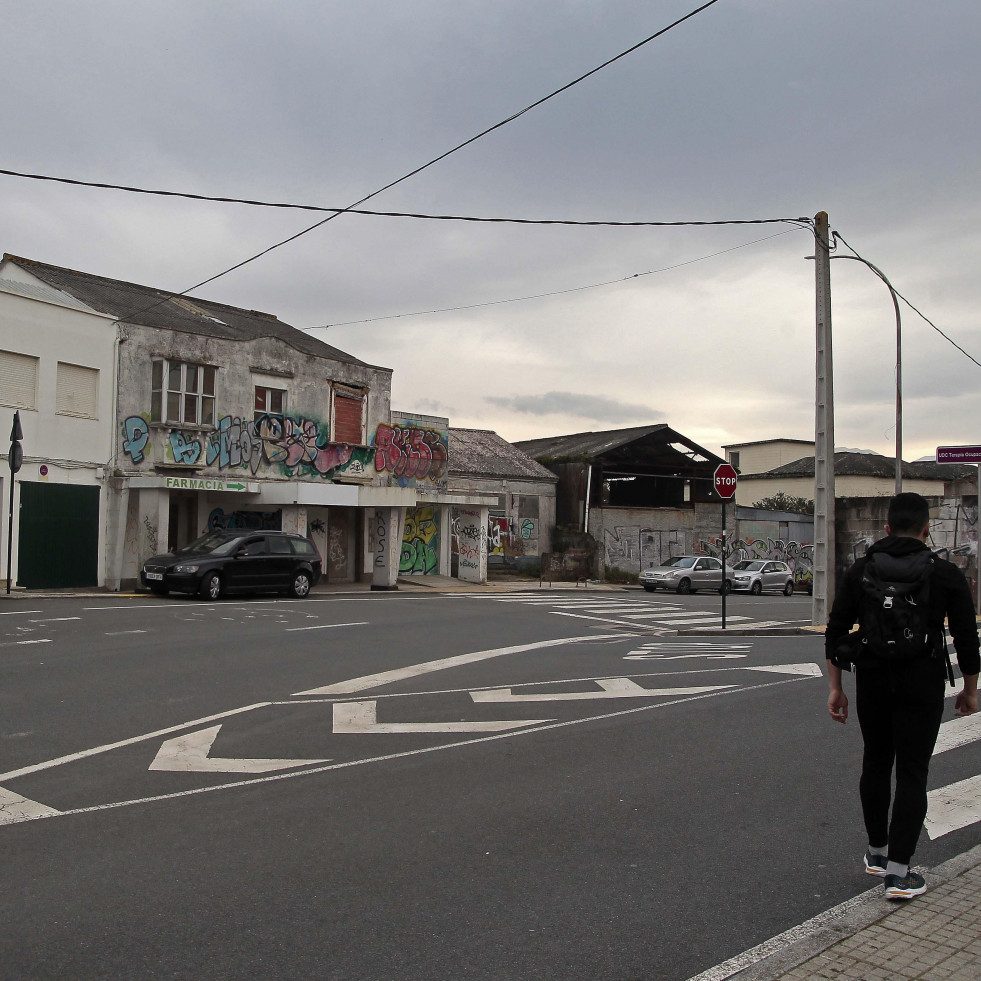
(935, 937)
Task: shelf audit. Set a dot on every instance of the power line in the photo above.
(539, 296)
(949, 340)
(221, 199)
(435, 160)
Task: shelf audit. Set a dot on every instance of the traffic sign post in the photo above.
(967, 454)
(724, 481)
(15, 459)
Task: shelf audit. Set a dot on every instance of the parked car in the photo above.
(755, 575)
(223, 562)
(687, 574)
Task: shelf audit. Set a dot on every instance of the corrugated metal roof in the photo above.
(150, 307)
(42, 293)
(482, 453)
(592, 445)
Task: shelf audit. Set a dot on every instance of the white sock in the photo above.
(881, 851)
(894, 868)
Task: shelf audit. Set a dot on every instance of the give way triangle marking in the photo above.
(189, 754)
(611, 688)
(363, 717)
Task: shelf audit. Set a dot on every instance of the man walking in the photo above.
(899, 685)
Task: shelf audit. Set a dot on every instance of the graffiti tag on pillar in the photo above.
(136, 435)
(420, 542)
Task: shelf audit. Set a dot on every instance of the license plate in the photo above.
(155, 575)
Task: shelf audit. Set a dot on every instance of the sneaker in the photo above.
(875, 864)
(910, 885)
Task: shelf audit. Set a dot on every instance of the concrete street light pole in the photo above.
(824, 432)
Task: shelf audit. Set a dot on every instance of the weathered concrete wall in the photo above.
(296, 445)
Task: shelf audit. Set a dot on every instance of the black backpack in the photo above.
(895, 608)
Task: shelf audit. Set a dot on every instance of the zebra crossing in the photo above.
(649, 613)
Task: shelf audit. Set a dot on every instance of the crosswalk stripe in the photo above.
(953, 807)
(958, 732)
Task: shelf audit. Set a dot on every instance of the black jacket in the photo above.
(950, 600)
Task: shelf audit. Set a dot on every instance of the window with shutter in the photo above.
(77, 391)
(348, 416)
(18, 380)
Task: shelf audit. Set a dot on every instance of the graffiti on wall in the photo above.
(221, 520)
(297, 445)
(411, 453)
(420, 542)
(469, 537)
(631, 546)
(799, 557)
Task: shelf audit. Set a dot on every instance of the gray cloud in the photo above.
(597, 408)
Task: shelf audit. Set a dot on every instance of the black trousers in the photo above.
(900, 705)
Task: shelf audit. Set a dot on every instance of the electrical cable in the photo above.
(435, 160)
(538, 296)
(840, 238)
(396, 214)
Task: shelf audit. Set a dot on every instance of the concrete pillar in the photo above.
(154, 518)
(387, 525)
(471, 528)
(117, 506)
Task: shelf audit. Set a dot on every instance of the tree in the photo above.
(784, 502)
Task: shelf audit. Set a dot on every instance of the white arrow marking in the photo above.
(363, 717)
(810, 670)
(14, 808)
(612, 688)
(190, 754)
(953, 807)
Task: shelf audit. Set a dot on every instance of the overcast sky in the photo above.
(751, 109)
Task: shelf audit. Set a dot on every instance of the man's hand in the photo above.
(838, 705)
(965, 703)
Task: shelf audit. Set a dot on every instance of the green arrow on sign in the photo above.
(235, 486)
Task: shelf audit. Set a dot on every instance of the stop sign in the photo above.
(725, 481)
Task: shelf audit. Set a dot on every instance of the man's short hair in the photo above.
(908, 514)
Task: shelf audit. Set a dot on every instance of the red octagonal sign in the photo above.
(725, 481)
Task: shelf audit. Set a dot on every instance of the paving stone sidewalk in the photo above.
(934, 937)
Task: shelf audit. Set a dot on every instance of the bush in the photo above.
(621, 576)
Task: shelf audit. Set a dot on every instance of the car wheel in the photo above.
(684, 586)
(159, 591)
(650, 589)
(211, 586)
(301, 585)
(726, 588)
(756, 588)
(788, 590)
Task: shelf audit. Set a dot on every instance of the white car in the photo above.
(755, 575)
(687, 574)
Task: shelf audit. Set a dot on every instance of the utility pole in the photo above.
(824, 432)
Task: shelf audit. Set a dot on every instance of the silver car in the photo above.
(755, 575)
(687, 574)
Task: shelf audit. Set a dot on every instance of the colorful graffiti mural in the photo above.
(420, 542)
(411, 454)
(297, 445)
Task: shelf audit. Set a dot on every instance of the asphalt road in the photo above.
(392, 786)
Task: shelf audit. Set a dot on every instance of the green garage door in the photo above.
(58, 543)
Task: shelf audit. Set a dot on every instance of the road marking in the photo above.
(958, 732)
(807, 670)
(14, 643)
(708, 655)
(582, 616)
(268, 778)
(37, 767)
(120, 633)
(362, 717)
(18, 613)
(953, 807)
(325, 626)
(14, 808)
(611, 688)
(189, 753)
(55, 619)
(354, 685)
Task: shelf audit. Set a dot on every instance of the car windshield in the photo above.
(214, 543)
(681, 561)
(749, 565)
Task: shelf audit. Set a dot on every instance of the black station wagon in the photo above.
(224, 562)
